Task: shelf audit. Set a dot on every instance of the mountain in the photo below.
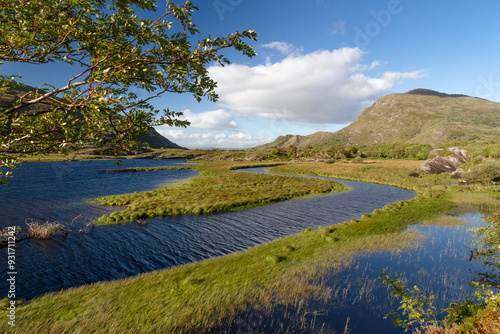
(418, 116)
(153, 139)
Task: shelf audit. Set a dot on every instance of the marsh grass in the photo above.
(484, 202)
(445, 221)
(47, 230)
(143, 169)
(217, 189)
(211, 294)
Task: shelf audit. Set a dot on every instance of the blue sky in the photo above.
(321, 62)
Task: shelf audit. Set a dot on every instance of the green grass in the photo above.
(210, 294)
(218, 189)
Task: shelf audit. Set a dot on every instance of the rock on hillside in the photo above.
(444, 161)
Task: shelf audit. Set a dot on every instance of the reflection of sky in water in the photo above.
(439, 266)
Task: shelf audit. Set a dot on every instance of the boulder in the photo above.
(458, 173)
(444, 161)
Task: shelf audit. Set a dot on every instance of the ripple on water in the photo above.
(112, 252)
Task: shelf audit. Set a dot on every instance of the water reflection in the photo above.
(439, 266)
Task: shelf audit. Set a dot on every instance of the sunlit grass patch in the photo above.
(218, 189)
(485, 202)
(390, 172)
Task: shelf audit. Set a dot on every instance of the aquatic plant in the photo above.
(45, 230)
(243, 281)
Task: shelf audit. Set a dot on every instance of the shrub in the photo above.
(307, 230)
(358, 160)
(486, 172)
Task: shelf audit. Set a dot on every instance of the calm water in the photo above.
(59, 191)
(439, 266)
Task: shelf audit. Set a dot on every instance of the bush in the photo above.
(358, 160)
(486, 172)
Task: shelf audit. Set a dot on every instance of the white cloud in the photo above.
(213, 120)
(212, 140)
(283, 47)
(319, 87)
(338, 28)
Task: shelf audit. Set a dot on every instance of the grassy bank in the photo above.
(210, 294)
(217, 189)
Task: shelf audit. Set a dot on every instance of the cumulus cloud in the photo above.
(319, 87)
(213, 120)
(212, 140)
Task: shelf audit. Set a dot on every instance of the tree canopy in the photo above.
(116, 54)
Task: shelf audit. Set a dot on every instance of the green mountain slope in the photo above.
(155, 140)
(418, 116)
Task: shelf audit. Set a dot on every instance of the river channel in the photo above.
(61, 191)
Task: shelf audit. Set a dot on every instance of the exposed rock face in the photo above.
(444, 161)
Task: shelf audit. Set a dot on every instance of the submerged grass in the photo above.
(445, 221)
(217, 189)
(47, 230)
(210, 294)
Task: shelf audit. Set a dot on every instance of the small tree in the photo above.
(337, 152)
(115, 53)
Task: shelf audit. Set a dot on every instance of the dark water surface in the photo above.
(59, 191)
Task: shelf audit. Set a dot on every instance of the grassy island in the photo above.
(219, 188)
(209, 295)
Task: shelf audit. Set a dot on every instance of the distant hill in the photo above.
(153, 139)
(418, 116)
